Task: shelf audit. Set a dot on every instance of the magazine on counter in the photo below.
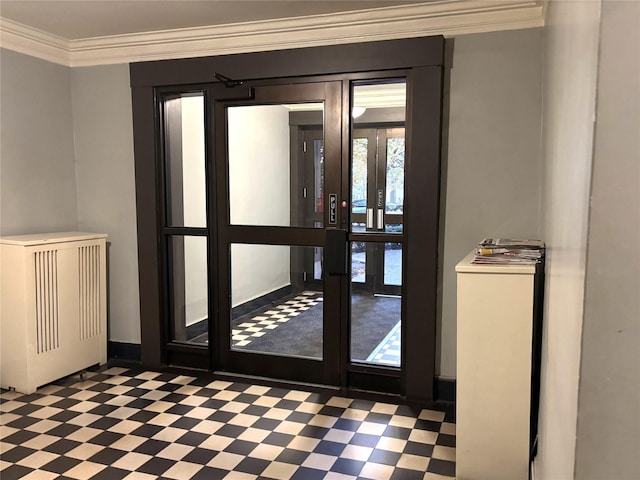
(507, 251)
(511, 243)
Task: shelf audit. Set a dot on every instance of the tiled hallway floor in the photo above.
(135, 424)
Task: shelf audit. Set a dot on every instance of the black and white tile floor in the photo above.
(388, 351)
(141, 425)
(257, 325)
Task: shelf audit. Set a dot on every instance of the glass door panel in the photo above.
(273, 310)
(377, 196)
(266, 181)
(184, 229)
(184, 155)
(376, 320)
(188, 282)
(393, 264)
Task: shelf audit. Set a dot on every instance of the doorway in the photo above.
(280, 306)
(317, 242)
(275, 320)
(376, 181)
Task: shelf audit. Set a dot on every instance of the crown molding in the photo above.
(36, 43)
(443, 17)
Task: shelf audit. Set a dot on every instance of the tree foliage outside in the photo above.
(395, 174)
(359, 169)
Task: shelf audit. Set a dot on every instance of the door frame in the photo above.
(423, 58)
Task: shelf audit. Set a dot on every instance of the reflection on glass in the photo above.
(393, 264)
(359, 175)
(275, 309)
(188, 288)
(317, 263)
(395, 175)
(375, 325)
(318, 177)
(394, 180)
(184, 152)
(367, 253)
(378, 154)
(266, 178)
(358, 262)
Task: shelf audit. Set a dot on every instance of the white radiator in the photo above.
(53, 307)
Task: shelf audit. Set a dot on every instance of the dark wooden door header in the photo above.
(309, 61)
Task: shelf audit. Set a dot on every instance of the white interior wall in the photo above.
(257, 270)
(195, 211)
(570, 73)
(259, 185)
(259, 165)
(609, 391)
(193, 158)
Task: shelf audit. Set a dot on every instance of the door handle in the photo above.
(369, 218)
(335, 258)
(381, 219)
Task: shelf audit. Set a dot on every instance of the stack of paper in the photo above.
(507, 251)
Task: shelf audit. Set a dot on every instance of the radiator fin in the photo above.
(46, 288)
(89, 294)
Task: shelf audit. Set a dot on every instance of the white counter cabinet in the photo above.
(53, 307)
(497, 380)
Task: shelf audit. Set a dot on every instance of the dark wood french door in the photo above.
(275, 320)
(238, 237)
(310, 231)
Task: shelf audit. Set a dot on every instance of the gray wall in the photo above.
(103, 132)
(492, 160)
(570, 73)
(609, 392)
(37, 180)
(66, 156)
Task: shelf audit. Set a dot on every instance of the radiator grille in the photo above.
(46, 288)
(89, 294)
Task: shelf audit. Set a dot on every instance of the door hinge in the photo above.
(304, 146)
(304, 192)
(304, 276)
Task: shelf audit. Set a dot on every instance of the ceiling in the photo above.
(78, 19)
(100, 32)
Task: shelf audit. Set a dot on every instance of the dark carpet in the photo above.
(372, 318)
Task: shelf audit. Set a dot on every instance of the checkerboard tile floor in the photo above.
(133, 424)
(388, 351)
(247, 328)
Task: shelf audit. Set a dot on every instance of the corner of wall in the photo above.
(571, 52)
